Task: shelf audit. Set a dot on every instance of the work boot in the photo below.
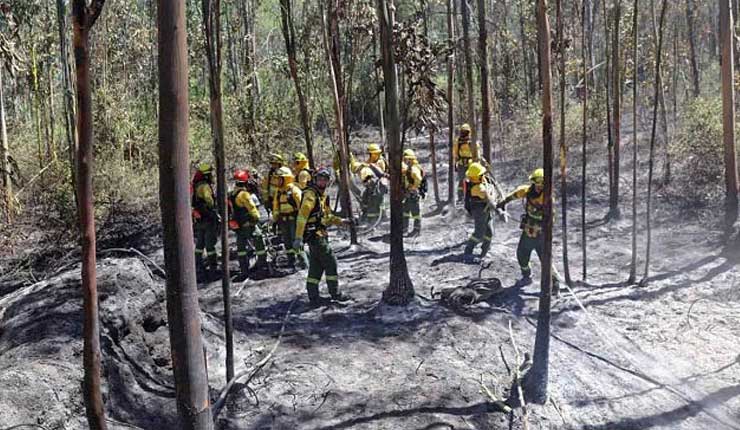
(417, 228)
(524, 281)
(314, 300)
(337, 295)
(484, 250)
(243, 269)
(468, 258)
(200, 268)
(213, 266)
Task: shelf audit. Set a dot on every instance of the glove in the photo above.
(298, 244)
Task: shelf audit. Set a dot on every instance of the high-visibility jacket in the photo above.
(286, 202)
(315, 214)
(302, 173)
(244, 210)
(268, 187)
(203, 201)
(463, 151)
(412, 177)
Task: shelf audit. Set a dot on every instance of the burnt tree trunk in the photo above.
(468, 54)
(616, 70)
(84, 18)
(585, 35)
(400, 290)
(484, 81)
(183, 312)
(5, 156)
(212, 33)
(451, 103)
(563, 146)
(691, 28)
(728, 112)
(635, 84)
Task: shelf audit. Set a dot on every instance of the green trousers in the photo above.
(372, 203)
(287, 231)
(321, 260)
(412, 211)
(524, 251)
(460, 181)
(483, 232)
(244, 235)
(206, 236)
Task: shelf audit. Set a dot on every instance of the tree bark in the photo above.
(451, 103)
(331, 44)
(400, 289)
(635, 84)
(538, 375)
(84, 18)
(484, 81)
(585, 35)
(728, 113)
(212, 33)
(68, 91)
(183, 312)
(563, 146)
(468, 54)
(614, 211)
(5, 155)
(286, 14)
(691, 27)
(651, 160)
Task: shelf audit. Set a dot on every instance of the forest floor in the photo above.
(664, 355)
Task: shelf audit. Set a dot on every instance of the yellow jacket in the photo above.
(286, 202)
(268, 187)
(370, 165)
(413, 176)
(309, 214)
(463, 152)
(204, 192)
(302, 174)
(533, 205)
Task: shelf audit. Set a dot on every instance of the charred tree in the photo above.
(400, 290)
(183, 312)
(536, 383)
(584, 131)
(288, 27)
(5, 156)
(484, 81)
(468, 54)
(651, 160)
(616, 70)
(728, 112)
(563, 147)
(84, 17)
(451, 103)
(635, 84)
(691, 29)
(212, 33)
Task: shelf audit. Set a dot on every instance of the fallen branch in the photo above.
(140, 254)
(495, 400)
(252, 371)
(18, 426)
(518, 380)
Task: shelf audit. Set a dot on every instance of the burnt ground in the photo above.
(663, 355)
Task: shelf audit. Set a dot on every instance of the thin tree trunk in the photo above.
(525, 55)
(584, 134)
(468, 53)
(52, 151)
(84, 18)
(331, 44)
(400, 290)
(614, 211)
(212, 33)
(538, 375)
(484, 81)
(5, 155)
(607, 90)
(728, 113)
(651, 160)
(563, 146)
(661, 96)
(68, 90)
(183, 312)
(691, 26)
(635, 84)
(286, 13)
(433, 160)
(36, 97)
(451, 103)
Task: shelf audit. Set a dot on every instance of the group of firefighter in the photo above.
(297, 205)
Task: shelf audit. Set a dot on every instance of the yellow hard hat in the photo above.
(374, 148)
(205, 168)
(276, 159)
(538, 176)
(408, 153)
(465, 128)
(475, 171)
(284, 172)
(299, 156)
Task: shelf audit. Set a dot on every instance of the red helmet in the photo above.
(241, 175)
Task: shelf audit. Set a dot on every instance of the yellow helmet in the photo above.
(538, 176)
(283, 172)
(276, 159)
(465, 128)
(374, 148)
(408, 153)
(299, 156)
(475, 171)
(205, 168)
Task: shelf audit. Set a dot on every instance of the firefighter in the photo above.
(476, 203)
(301, 170)
(205, 221)
(413, 176)
(284, 210)
(244, 222)
(370, 173)
(270, 181)
(532, 238)
(314, 217)
(463, 153)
